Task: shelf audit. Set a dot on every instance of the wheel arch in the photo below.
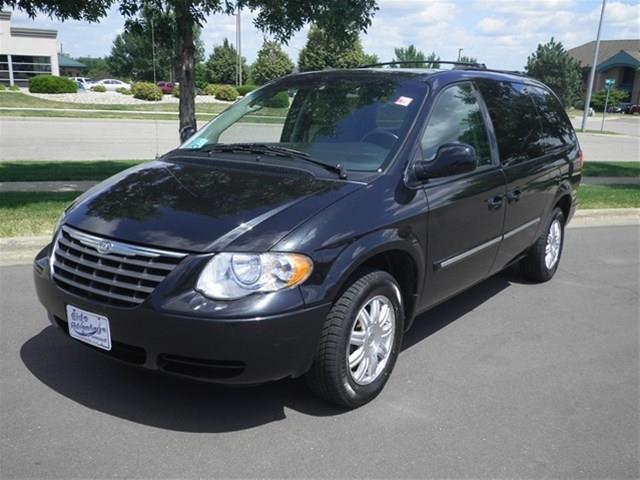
(391, 251)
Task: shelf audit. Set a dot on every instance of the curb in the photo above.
(22, 250)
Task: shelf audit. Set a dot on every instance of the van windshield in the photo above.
(356, 121)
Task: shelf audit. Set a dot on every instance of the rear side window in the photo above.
(515, 120)
(456, 118)
(556, 128)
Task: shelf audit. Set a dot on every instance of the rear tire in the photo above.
(541, 263)
(360, 341)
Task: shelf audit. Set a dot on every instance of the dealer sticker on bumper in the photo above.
(89, 327)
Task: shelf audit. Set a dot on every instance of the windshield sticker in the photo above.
(403, 101)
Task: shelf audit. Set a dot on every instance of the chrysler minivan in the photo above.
(303, 230)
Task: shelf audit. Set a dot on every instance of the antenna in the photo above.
(239, 47)
(155, 82)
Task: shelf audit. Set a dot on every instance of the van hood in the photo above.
(203, 206)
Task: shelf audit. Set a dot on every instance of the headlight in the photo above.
(234, 275)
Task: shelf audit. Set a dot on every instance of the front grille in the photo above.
(107, 270)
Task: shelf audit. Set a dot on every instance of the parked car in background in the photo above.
(631, 109)
(112, 84)
(242, 257)
(84, 83)
(619, 108)
(166, 87)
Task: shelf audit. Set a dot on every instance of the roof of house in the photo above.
(608, 48)
(69, 62)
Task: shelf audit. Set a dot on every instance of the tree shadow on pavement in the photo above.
(141, 396)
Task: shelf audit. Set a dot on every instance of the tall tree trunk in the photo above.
(186, 63)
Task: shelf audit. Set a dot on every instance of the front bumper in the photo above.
(222, 350)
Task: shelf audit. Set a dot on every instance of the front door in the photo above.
(466, 212)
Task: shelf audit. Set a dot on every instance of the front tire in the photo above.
(543, 259)
(360, 342)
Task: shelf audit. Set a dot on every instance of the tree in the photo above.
(552, 65)
(409, 54)
(432, 60)
(324, 50)
(465, 59)
(222, 65)
(272, 62)
(279, 18)
(616, 96)
(97, 67)
(153, 31)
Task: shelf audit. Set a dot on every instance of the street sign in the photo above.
(609, 83)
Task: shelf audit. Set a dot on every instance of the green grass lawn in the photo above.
(33, 171)
(165, 111)
(612, 169)
(27, 213)
(608, 196)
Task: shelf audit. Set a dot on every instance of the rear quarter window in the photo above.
(556, 127)
(515, 120)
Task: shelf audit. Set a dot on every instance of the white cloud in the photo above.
(491, 25)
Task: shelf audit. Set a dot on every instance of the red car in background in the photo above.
(166, 87)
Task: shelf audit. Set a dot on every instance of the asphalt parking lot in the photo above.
(507, 380)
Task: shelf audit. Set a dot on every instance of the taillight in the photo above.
(581, 158)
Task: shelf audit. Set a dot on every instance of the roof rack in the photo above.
(434, 62)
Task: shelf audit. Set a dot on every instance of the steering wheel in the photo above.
(380, 136)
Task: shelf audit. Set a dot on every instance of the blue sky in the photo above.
(500, 33)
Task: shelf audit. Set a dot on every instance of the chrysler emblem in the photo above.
(104, 246)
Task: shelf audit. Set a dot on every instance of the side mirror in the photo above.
(186, 133)
(451, 159)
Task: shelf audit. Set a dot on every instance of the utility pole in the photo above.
(239, 48)
(592, 74)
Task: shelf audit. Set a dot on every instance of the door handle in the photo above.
(514, 195)
(494, 203)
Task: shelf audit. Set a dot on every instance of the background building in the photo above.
(26, 52)
(70, 67)
(617, 59)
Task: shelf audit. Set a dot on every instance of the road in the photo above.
(87, 139)
(507, 380)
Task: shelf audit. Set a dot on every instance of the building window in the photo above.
(24, 68)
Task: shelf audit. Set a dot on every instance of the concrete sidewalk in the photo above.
(22, 250)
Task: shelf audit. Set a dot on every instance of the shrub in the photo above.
(615, 97)
(51, 84)
(146, 91)
(279, 100)
(2, 88)
(211, 89)
(14, 88)
(227, 92)
(123, 91)
(244, 89)
(99, 88)
(176, 91)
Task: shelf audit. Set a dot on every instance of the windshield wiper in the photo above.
(276, 150)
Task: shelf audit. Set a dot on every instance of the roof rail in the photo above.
(434, 62)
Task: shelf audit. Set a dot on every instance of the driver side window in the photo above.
(456, 118)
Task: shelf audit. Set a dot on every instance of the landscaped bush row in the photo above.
(146, 91)
(52, 84)
(244, 89)
(99, 88)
